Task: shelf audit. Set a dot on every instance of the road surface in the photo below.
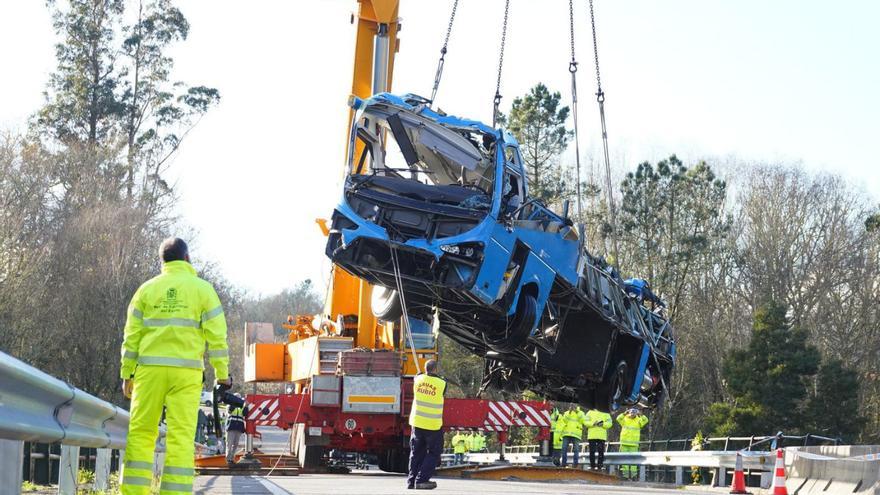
(370, 483)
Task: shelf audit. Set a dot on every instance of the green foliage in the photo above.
(872, 223)
(833, 409)
(671, 218)
(768, 379)
(112, 87)
(538, 122)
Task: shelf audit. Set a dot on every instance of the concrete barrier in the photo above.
(834, 470)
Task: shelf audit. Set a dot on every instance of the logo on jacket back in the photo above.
(171, 293)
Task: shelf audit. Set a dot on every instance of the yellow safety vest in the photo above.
(170, 319)
(599, 432)
(631, 429)
(427, 406)
(458, 443)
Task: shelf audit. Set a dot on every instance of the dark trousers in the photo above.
(425, 447)
(597, 447)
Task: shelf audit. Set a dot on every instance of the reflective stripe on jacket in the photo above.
(631, 429)
(598, 424)
(427, 406)
(235, 420)
(170, 319)
(573, 423)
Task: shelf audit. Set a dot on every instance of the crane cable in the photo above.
(572, 68)
(442, 61)
(600, 98)
(497, 99)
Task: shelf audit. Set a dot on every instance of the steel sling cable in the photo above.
(600, 98)
(572, 68)
(497, 100)
(398, 280)
(442, 61)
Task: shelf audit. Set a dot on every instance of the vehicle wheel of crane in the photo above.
(308, 456)
(394, 461)
(385, 304)
(612, 392)
(517, 330)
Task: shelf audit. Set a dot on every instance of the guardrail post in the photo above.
(720, 477)
(11, 467)
(102, 469)
(642, 473)
(68, 470)
(679, 475)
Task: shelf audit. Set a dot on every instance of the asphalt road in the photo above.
(274, 441)
(371, 483)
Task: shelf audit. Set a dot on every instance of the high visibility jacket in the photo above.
(574, 423)
(235, 420)
(598, 424)
(557, 424)
(170, 319)
(557, 427)
(481, 442)
(458, 444)
(631, 429)
(427, 406)
(470, 442)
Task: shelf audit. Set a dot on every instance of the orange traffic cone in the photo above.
(739, 479)
(779, 477)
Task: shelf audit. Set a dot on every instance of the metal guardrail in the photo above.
(763, 461)
(37, 407)
(721, 443)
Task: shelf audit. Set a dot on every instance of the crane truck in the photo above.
(352, 372)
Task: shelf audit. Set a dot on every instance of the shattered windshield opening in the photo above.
(424, 151)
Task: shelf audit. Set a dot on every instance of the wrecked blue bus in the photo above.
(437, 215)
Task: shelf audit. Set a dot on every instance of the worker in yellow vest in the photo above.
(171, 319)
(458, 447)
(574, 420)
(631, 423)
(426, 420)
(478, 441)
(598, 423)
(557, 424)
(471, 442)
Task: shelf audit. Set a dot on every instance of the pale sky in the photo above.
(780, 80)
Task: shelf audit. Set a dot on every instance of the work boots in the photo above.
(427, 485)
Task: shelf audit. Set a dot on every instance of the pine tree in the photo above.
(538, 122)
(833, 408)
(768, 380)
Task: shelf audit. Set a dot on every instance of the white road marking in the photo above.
(272, 487)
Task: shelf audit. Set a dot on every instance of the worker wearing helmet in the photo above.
(598, 423)
(481, 442)
(573, 421)
(426, 419)
(631, 423)
(171, 318)
(458, 447)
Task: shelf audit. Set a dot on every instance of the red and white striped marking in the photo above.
(504, 414)
(779, 477)
(265, 413)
